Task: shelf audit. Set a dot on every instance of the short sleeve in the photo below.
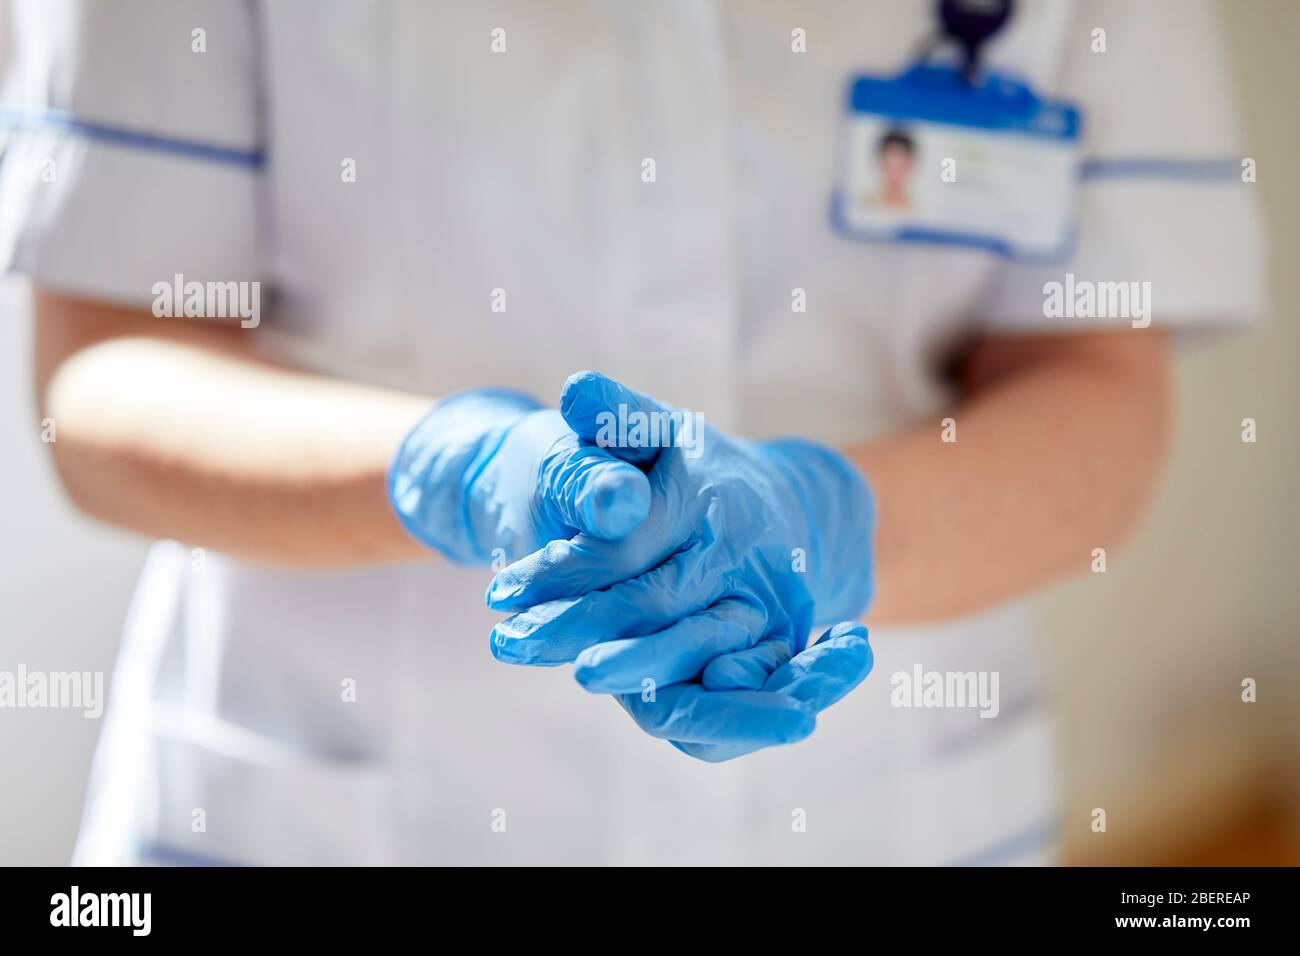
(1163, 196)
(129, 144)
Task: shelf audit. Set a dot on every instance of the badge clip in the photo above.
(968, 25)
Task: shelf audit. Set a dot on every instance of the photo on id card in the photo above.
(932, 159)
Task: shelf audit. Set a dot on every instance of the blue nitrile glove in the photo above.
(490, 469)
(718, 725)
(746, 547)
(744, 542)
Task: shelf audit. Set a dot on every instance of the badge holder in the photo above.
(962, 156)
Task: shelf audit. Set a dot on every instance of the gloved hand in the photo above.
(490, 469)
(718, 725)
(746, 547)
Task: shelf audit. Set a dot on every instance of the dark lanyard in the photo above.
(968, 24)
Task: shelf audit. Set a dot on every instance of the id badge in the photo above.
(930, 157)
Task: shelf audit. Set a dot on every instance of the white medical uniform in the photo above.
(522, 170)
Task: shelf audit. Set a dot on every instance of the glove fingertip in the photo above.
(589, 673)
(593, 679)
(616, 503)
(502, 595)
(502, 646)
(864, 658)
(801, 727)
(846, 663)
(581, 398)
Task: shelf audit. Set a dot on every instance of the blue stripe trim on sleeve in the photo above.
(1184, 170)
(61, 121)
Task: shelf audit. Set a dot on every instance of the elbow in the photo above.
(90, 461)
(84, 474)
(100, 409)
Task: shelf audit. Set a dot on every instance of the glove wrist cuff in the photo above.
(839, 514)
(431, 471)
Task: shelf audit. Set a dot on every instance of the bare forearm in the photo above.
(178, 432)
(1056, 451)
